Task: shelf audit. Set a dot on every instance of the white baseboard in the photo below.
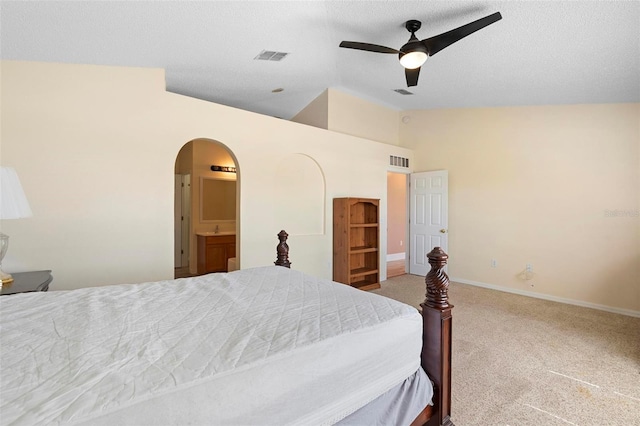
(395, 256)
(628, 312)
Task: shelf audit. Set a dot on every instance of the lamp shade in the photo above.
(413, 54)
(13, 202)
(413, 60)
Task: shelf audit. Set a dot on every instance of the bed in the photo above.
(266, 345)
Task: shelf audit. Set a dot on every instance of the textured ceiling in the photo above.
(541, 52)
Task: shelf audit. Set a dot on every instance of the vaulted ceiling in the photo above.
(541, 52)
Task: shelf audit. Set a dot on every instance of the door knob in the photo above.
(443, 231)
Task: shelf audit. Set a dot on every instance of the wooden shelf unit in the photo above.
(356, 242)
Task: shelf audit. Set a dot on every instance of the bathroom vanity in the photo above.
(215, 250)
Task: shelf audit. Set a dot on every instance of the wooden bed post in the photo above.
(436, 337)
(283, 250)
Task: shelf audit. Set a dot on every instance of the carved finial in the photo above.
(437, 280)
(283, 250)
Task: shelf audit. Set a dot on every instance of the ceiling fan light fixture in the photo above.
(413, 60)
(415, 52)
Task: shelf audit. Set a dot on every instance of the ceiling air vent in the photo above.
(398, 161)
(270, 55)
(403, 92)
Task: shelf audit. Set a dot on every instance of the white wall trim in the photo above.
(621, 311)
(395, 256)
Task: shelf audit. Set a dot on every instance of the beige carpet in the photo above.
(525, 361)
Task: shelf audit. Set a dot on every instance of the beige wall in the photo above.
(397, 212)
(184, 160)
(316, 113)
(344, 113)
(354, 116)
(95, 148)
(540, 185)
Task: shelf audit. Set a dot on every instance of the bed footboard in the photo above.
(436, 337)
(436, 334)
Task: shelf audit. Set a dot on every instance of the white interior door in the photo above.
(177, 221)
(186, 219)
(428, 217)
(182, 219)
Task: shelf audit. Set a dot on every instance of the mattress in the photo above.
(265, 345)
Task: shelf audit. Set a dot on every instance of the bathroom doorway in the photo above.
(209, 165)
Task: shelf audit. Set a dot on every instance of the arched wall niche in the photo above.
(195, 159)
(301, 199)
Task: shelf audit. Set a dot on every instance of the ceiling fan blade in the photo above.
(437, 43)
(368, 47)
(412, 76)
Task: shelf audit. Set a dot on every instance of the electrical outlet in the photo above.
(529, 267)
(494, 263)
(400, 243)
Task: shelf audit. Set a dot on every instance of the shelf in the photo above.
(364, 225)
(361, 272)
(366, 285)
(364, 249)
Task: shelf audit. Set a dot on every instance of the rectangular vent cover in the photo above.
(398, 161)
(270, 55)
(403, 92)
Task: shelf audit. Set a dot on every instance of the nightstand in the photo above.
(25, 282)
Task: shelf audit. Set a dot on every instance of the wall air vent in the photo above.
(398, 161)
(270, 55)
(403, 92)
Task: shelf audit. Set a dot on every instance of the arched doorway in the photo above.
(207, 206)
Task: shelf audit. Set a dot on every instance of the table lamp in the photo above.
(13, 205)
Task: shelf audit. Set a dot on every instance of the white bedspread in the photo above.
(259, 346)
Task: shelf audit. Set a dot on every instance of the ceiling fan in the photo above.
(415, 52)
